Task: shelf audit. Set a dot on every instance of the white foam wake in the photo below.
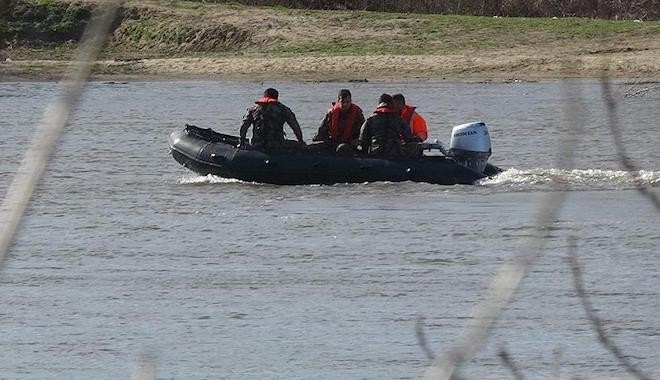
(204, 179)
(595, 178)
(521, 179)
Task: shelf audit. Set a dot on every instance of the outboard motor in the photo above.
(470, 145)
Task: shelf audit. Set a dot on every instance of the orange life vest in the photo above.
(337, 133)
(407, 113)
(415, 122)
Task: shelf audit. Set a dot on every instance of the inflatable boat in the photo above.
(205, 151)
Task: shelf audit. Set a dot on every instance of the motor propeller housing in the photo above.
(470, 145)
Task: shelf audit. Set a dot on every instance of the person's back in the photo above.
(415, 122)
(382, 132)
(267, 118)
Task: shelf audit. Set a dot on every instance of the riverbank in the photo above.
(499, 67)
(190, 40)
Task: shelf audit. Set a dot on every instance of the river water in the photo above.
(125, 254)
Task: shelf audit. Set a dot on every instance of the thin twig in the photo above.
(507, 361)
(55, 118)
(421, 338)
(556, 364)
(596, 322)
(510, 275)
(146, 369)
(627, 163)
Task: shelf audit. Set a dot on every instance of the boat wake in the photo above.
(514, 179)
(576, 179)
(206, 179)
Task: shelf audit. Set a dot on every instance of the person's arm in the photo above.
(419, 129)
(364, 140)
(357, 125)
(247, 122)
(293, 123)
(404, 130)
(323, 133)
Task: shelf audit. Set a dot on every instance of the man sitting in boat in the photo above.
(340, 127)
(267, 118)
(413, 120)
(383, 132)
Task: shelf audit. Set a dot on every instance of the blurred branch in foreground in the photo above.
(421, 338)
(146, 368)
(593, 317)
(556, 364)
(55, 118)
(627, 163)
(508, 363)
(511, 274)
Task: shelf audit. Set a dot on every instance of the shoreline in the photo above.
(500, 67)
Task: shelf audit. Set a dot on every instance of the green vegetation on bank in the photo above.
(171, 28)
(423, 34)
(607, 9)
(44, 22)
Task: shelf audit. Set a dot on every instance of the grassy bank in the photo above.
(607, 9)
(186, 38)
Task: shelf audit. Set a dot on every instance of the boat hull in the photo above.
(219, 156)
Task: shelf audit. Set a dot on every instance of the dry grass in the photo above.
(177, 39)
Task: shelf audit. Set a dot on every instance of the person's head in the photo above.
(385, 100)
(398, 102)
(271, 93)
(344, 99)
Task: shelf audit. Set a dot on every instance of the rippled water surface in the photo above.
(123, 252)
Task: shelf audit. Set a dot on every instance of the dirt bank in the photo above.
(179, 39)
(501, 66)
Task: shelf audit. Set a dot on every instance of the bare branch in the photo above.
(626, 162)
(508, 363)
(510, 275)
(54, 120)
(421, 338)
(556, 364)
(146, 369)
(596, 322)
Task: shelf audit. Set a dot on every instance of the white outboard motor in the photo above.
(470, 145)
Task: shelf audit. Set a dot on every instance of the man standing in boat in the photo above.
(267, 119)
(413, 120)
(383, 132)
(341, 124)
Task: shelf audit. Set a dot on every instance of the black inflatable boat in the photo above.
(205, 151)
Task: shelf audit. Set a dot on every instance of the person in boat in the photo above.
(341, 125)
(385, 133)
(267, 118)
(415, 122)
